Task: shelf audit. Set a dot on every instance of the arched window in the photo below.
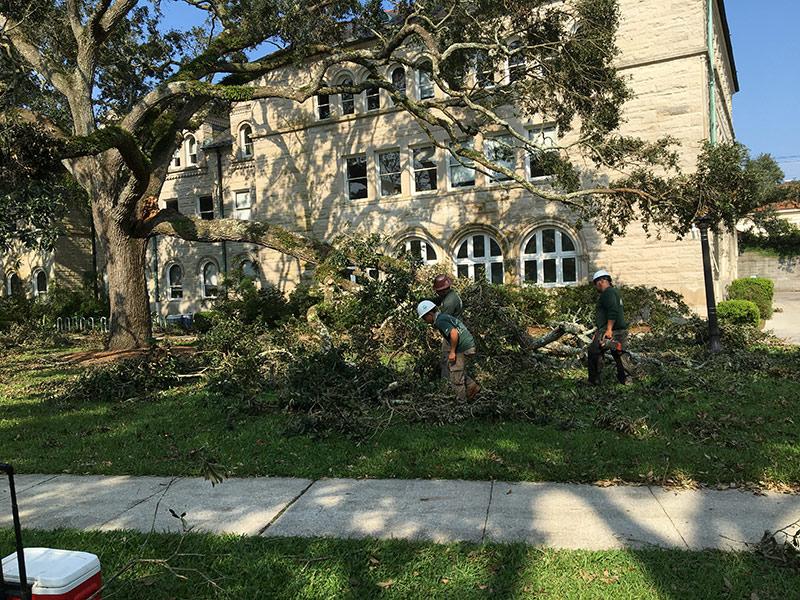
(39, 283)
(425, 80)
(250, 271)
(399, 80)
(210, 274)
(175, 282)
(176, 158)
(421, 250)
(480, 256)
(323, 104)
(347, 98)
(14, 284)
(191, 150)
(549, 258)
(246, 140)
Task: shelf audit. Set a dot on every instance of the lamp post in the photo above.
(711, 303)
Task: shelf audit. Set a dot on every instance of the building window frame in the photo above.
(422, 170)
(403, 88)
(190, 145)
(535, 263)
(491, 144)
(205, 213)
(372, 99)
(347, 100)
(428, 253)
(488, 262)
(245, 138)
(425, 84)
(14, 285)
(461, 164)
(515, 64)
(175, 288)
(209, 282)
(323, 105)
(350, 176)
(392, 178)
(243, 204)
(548, 134)
(38, 284)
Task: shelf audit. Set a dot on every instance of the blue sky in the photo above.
(767, 51)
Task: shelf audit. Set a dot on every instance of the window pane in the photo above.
(497, 272)
(550, 270)
(478, 246)
(424, 169)
(530, 247)
(416, 248)
(389, 165)
(348, 101)
(566, 243)
(399, 79)
(549, 240)
(516, 64)
(530, 271)
(570, 270)
(41, 282)
(424, 81)
(462, 250)
(172, 205)
(461, 175)
(463, 270)
(494, 248)
(480, 272)
(484, 70)
(206, 204)
(430, 252)
(175, 275)
(357, 177)
(324, 106)
(501, 151)
(373, 98)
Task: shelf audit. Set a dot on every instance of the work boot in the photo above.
(473, 390)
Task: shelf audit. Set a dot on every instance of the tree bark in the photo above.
(131, 324)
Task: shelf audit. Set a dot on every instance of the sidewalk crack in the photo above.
(664, 510)
(488, 508)
(285, 508)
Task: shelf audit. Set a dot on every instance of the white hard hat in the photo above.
(424, 307)
(599, 274)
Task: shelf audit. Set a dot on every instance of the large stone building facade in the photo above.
(347, 165)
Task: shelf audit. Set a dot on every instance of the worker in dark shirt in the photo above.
(612, 330)
(449, 303)
(460, 344)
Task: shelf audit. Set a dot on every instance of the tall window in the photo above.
(191, 150)
(543, 138)
(461, 171)
(176, 158)
(210, 275)
(175, 282)
(348, 100)
(421, 250)
(323, 105)
(501, 151)
(516, 63)
(424, 81)
(373, 98)
(242, 205)
(549, 258)
(14, 284)
(399, 80)
(479, 257)
(389, 169)
(425, 169)
(484, 70)
(357, 177)
(39, 283)
(205, 208)
(246, 140)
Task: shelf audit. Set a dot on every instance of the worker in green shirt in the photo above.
(612, 330)
(449, 303)
(461, 346)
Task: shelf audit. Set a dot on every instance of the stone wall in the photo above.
(785, 272)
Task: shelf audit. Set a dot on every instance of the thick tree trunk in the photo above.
(131, 325)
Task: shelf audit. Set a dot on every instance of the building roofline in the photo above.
(727, 33)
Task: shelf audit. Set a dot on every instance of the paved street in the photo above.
(546, 514)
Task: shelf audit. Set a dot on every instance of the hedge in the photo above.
(739, 312)
(755, 289)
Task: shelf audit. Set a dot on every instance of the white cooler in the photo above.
(57, 574)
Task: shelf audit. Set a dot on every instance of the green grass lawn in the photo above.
(721, 425)
(206, 566)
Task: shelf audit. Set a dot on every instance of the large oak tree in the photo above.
(98, 87)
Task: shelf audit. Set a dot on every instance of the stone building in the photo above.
(345, 164)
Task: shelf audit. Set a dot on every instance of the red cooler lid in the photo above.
(50, 568)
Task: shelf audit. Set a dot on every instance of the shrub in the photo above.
(738, 312)
(755, 289)
(204, 320)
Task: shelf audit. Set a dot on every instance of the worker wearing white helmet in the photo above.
(461, 347)
(612, 330)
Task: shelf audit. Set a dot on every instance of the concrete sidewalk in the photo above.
(545, 514)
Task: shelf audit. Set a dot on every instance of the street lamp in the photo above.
(711, 304)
